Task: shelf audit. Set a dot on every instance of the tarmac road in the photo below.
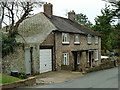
(100, 79)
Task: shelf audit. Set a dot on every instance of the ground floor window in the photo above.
(96, 55)
(65, 58)
(88, 56)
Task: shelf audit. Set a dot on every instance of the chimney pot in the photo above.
(48, 9)
(71, 15)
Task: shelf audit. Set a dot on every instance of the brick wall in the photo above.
(60, 48)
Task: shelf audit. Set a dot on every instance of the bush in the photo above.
(22, 75)
(8, 44)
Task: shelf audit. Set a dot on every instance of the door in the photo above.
(90, 59)
(45, 60)
(75, 61)
(27, 61)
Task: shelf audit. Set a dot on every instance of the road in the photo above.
(100, 79)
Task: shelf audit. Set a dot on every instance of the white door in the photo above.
(45, 60)
(27, 61)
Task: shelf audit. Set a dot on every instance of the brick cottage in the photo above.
(53, 43)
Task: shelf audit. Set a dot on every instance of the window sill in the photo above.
(77, 43)
(89, 43)
(65, 43)
(96, 43)
(96, 60)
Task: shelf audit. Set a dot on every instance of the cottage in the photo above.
(54, 43)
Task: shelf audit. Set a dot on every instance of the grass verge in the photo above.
(8, 79)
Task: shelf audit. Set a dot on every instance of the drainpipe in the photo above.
(54, 52)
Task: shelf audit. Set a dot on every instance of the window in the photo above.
(89, 39)
(88, 56)
(78, 58)
(77, 41)
(65, 58)
(96, 39)
(96, 55)
(65, 38)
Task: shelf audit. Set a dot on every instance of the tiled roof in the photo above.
(67, 25)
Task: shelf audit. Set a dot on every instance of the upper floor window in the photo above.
(96, 55)
(65, 58)
(89, 39)
(65, 38)
(77, 41)
(96, 39)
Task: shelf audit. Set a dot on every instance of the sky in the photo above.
(91, 8)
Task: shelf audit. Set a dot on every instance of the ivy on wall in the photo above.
(9, 44)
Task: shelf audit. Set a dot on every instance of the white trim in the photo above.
(96, 55)
(89, 39)
(76, 42)
(65, 58)
(96, 39)
(65, 42)
(65, 38)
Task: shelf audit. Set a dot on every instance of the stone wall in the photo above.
(15, 61)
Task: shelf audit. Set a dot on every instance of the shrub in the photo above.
(8, 44)
(22, 75)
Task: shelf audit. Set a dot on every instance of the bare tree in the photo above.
(1, 15)
(16, 12)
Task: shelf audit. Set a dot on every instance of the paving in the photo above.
(57, 77)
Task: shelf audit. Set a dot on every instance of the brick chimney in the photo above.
(48, 9)
(71, 15)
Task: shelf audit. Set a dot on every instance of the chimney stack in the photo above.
(71, 15)
(48, 9)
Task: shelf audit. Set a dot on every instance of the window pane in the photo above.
(67, 59)
(76, 38)
(96, 55)
(65, 37)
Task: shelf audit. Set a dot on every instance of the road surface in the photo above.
(100, 79)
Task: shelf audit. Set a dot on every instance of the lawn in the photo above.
(7, 79)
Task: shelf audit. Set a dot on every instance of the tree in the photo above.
(1, 15)
(16, 12)
(103, 24)
(83, 19)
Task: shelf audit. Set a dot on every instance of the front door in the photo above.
(27, 61)
(90, 59)
(75, 61)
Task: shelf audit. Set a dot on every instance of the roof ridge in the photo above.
(89, 28)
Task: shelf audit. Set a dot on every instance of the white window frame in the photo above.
(89, 39)
(65, 38)
(96, 55)
(65, 58)
(77, 39)
(78, 57)
(96, 39)
(88, 56)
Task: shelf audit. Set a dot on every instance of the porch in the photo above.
(84, 59)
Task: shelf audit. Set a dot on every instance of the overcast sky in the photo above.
(91, 8)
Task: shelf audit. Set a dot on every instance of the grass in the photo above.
(8, 79)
